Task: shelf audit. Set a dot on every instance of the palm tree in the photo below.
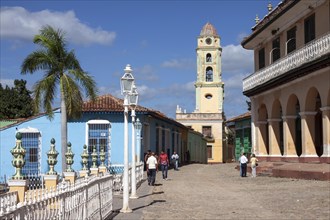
(63, 70)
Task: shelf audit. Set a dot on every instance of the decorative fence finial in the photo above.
(102, 157)
(94, 157)
(257, 19)
(52, 158)
(18, 161)
(84, 158)
(69, 158)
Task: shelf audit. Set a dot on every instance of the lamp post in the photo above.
(138, 127)
(133, 99)
(127, 81)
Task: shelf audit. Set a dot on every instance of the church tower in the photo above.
(207, 116)
(209, 88)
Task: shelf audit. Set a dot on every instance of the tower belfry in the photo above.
(209, 88)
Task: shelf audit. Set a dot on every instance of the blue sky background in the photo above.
(158, 39)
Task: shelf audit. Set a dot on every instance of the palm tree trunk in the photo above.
(64, 131)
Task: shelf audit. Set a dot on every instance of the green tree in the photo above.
(62, 70)
(16, 102)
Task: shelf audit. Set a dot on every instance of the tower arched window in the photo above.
(208, 57)
(209, 74)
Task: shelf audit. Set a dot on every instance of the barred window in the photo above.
(31, 143)
(99, 136)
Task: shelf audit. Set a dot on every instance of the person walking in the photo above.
(243, 161)
(163, 161)
(175, 159)
(152, 168)
(254, 165)
(148, 154)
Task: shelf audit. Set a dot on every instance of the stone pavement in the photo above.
(200, 191)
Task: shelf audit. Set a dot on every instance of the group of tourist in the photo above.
(243, 165)
(153, 161)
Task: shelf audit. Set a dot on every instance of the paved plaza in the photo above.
(199, 191)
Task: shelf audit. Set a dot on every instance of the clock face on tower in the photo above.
(208, 41)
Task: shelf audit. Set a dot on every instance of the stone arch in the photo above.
(277, 128)
(209, 74)
(263, 129)
(208, 57)
(293, 110)
(313, 104)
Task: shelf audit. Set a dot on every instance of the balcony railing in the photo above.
(308, 53)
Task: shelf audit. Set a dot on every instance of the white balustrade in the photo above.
(8, 202)
(90, 198)
(312, 51)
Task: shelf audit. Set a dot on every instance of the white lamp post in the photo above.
(126, 88)
(138, 127)
(133, 99)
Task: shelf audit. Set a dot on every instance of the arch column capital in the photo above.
(325, 108)
(287, 117)
(262, 122)
(307, 114)
(274, 120)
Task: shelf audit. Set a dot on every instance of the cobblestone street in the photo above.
(199, 191)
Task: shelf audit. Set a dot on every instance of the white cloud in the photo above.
(234, 81)
(145, 73)
(7, 82)
(236, 59)
(179, 64)
(19, 23)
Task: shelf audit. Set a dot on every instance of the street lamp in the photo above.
(138, 127)
(126, 84)
(133, 99)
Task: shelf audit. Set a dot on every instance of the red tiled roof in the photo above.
(108, 103)
(239, 117)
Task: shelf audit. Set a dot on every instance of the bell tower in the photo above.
(207, 118)
(209, 87)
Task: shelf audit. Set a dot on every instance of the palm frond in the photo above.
(37, 60)
(87, 82)
(44, 92)
(72, 94)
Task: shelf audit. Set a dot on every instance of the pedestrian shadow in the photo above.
(153, 202)
(151, 194)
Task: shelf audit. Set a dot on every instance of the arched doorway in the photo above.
(263, 128)
(293, 118)
(277, 128)
(313, 104)
(298, 129)
(318, 127)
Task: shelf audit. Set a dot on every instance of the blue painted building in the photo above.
(101, 125)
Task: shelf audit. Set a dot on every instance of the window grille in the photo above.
(99, 136)
(31, 143)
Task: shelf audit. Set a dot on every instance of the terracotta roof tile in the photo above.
(108, 103)
(239, 117)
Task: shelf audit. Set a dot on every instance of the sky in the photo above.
(157, 38)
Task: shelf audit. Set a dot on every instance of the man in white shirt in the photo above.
(243, 161)
(175, 159)
(152, 167)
